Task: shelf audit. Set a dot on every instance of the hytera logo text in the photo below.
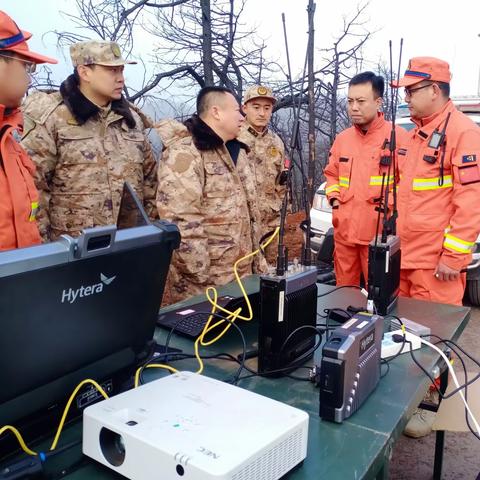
(71, 295)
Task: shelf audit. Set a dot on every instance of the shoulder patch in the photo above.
(40, 105)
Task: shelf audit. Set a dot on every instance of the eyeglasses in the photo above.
(30, 67)
(408, 91)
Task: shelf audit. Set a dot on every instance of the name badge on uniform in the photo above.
(469, 158)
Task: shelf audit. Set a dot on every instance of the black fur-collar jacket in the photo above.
(205, 139)
(83, 109)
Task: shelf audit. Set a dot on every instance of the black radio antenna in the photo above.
(390, 224)
(294, 146)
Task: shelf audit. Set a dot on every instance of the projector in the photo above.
(193, 427)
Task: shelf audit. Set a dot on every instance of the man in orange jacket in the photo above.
(18, 196)
(359, 159)
(439, 188)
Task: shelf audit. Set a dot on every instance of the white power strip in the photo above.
(391, 348)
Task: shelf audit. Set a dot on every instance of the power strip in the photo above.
(391, 348)
(410, 326)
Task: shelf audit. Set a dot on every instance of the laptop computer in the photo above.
(76, 309)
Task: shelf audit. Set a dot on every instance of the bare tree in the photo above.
(194, 42)
(345, 56)
(115, 20)
(229, 54)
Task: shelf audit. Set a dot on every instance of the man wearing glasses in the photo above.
(18, 196)
(86, 141)
(438, 190)
(439, 187)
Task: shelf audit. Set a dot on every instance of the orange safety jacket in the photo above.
(18, 195)
(354, 176)
(439, 217)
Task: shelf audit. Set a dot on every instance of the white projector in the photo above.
(191, 427)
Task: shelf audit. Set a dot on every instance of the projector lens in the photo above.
(112, 446)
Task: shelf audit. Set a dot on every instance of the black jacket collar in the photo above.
(83, 109)
(204, 138)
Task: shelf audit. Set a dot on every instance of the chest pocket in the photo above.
(218, 181)
(76, 145)
(345, 165)
(133, 141)
(431, 174)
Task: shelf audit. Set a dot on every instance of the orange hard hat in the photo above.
(424, 68)
(12, 39)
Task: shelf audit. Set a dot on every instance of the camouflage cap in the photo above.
(97, 53)
(258, 91)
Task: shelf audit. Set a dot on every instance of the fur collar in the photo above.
(204, 138)
(83, 109)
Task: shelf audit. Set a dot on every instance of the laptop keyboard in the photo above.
(191, 320)
(189, 325)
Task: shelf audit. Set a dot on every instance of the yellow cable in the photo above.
(232, 316)
(62, 421)
(199, 341)
(67, 407)
(19, 437)
(239, 281)
(153, 365)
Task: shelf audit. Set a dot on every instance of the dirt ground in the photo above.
(294, 235)
(413, 459)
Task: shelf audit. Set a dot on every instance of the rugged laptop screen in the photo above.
(75, 309)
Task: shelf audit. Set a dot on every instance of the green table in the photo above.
(361, 446)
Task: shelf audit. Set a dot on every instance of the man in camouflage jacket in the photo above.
(267, 158)
(207, 188)
(86, 141)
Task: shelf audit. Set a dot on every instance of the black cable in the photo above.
(327, 311)
(453, 392)
(266, 374)
(179, 321)
(453, 346)
(440, 394)
(474, 360)
(293, 365)
(461, 387)
(338, 288)
(387, 363)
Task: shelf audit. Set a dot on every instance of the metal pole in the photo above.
(311, 101)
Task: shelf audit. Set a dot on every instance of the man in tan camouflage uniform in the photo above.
(267, 157)
(207, 188)
(86, 140)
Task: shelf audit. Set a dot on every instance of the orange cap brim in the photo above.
(23, 50)
(34, 57)
(407, 81)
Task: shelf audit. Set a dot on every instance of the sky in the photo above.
(441, 28)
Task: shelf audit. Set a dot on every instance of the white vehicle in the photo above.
(321, 212)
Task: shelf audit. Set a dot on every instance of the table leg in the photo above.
(440, 435)
(383, 473)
